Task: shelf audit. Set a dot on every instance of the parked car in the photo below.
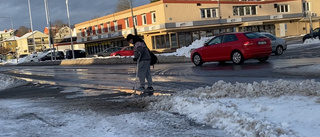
(125, 51)
(58, 55)
(77, 54)
(278, 44)
(316, 34)
(108, 51)
(235, 47)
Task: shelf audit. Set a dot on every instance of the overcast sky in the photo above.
(80, 11)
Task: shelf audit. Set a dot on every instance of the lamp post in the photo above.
(34, 43)
(48, 23)
(134, 26)
(67, 4)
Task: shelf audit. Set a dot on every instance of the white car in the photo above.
(278, 44)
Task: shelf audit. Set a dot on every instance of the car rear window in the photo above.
(254, 35)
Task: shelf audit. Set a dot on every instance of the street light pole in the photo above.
(34, 43)
(48, 24)
(134, 26)
(67, 4)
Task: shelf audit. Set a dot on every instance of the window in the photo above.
(127, 23)
(96, 29)
(244, 10)
(115, 23)
(216, 40)
(306, 6)
(90, 31)
(208, 13)
(144, 19)
(230, 38)
(102, 28)
(270, 37)
(283, 8)
(154, 18)
(108, 27)
(135, 21)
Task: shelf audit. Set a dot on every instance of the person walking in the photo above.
(142, 55)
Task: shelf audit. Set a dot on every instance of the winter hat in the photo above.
(129, 37)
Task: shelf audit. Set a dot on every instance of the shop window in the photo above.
(184, 39)
(209, 33)
(161, 41)
(195, 35)
(174, 42)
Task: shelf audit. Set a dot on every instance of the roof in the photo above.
(28, 34)
(12, 38)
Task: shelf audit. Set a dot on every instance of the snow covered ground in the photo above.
(270, 109)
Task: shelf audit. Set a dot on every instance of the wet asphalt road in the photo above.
(169, 77)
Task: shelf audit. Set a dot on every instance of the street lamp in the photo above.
(34, 43)
(48, 23)
(134, 26)
(67, 4)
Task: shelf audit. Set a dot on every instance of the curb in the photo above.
(105, 61)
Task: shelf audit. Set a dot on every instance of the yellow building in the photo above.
(26, 46)
(10, 44)
(169, 24)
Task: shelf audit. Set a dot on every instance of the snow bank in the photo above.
(222, 106)
(7, 82)
(186, 51)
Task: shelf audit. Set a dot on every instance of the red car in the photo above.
(235, 47)
(125, 51)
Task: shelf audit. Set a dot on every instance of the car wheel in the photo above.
(237, 57)
(197, 60)
(263, 59)
(279, 50)
(118, 55)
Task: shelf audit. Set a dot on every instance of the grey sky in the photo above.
(80, 11)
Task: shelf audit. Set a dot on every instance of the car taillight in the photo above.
(248, 43)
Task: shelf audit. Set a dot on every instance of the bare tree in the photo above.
(59, 24)
(3, 50)
(22, 30)
(122, 5)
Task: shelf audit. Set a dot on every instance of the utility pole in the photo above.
(34, 43)
(67, 4)
(48, 24)
(134, 26)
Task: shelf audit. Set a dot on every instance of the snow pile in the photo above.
(312, 41)
(7, 82)
(245, 109)
(186, 51)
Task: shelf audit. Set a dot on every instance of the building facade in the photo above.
(170, 24)
(27, 46)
